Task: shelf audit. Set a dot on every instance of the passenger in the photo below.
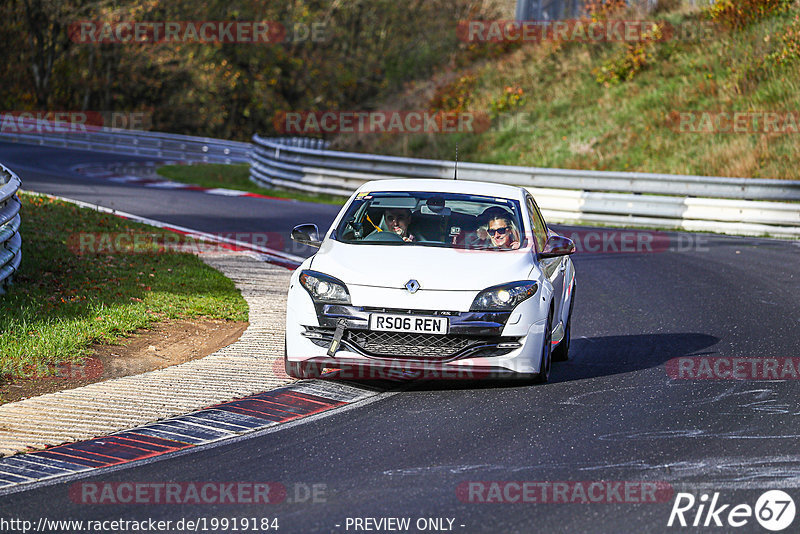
(481, 236)
(397, 221)
(503, 233)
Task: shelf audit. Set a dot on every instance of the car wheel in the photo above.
(544, 364)
(561, 352)
(301, 370)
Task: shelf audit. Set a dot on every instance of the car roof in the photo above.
(443, 186)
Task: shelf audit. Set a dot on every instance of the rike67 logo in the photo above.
(774, 510)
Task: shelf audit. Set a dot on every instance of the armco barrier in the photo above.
(696, 203)
(11, 251)
(130, 142)
(727, 205)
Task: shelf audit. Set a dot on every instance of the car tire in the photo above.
(301, 370)
(544, 363)
(561, 352)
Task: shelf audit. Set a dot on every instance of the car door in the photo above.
(552, 268)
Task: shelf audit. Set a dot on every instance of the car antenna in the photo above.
(455, 169)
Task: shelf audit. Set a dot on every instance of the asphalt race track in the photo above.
(611, 413)
(47, 170)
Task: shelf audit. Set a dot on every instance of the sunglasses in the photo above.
(501, 230)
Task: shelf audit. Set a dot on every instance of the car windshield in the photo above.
(448, 220)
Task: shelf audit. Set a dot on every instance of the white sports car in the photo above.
(455, 278)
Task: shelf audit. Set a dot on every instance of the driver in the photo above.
(397, 221)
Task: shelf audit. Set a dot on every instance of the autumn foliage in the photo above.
(227, 90)
(737, 14)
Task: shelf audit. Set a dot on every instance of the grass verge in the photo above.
(62, 301)
(557, 114)
(235, 177)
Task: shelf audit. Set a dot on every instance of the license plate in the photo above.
(408, 323)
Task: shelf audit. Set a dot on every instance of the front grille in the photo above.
(423, 346)
(403, 344)
(416, 346)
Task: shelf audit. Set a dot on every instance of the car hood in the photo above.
(392, 266)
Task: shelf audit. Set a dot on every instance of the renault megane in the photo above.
(432, 275)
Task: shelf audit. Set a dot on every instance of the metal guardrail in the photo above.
(727, 205)
(563, 9)
(10, 220)
(548, 9)
(129, 142)
(701, 203)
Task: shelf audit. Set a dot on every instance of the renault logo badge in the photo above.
(412, 286)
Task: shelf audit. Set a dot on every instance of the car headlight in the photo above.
(324, 288)
(504, 297)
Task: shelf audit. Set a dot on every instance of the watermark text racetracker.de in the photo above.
(72, 122)
(195, 31)
(196, 492)
(776, 122)
(600, 241)
(583, 31)
(399, 122)
(84, 243)
(610, 241)
(379, 122)
(564, 492)
(733, 368)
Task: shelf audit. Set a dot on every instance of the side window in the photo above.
(537, 223)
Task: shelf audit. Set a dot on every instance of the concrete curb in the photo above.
(251, 365)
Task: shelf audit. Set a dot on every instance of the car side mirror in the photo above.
(557, 245)
(307, 234)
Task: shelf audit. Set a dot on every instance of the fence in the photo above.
(695, 203)
(11, 252)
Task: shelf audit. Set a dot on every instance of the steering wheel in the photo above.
(384, 237)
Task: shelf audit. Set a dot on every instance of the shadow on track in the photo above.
(589, 358)
(609, 355)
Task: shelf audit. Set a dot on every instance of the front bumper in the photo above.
(471, 334)
(494, 343)
(421, 347)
